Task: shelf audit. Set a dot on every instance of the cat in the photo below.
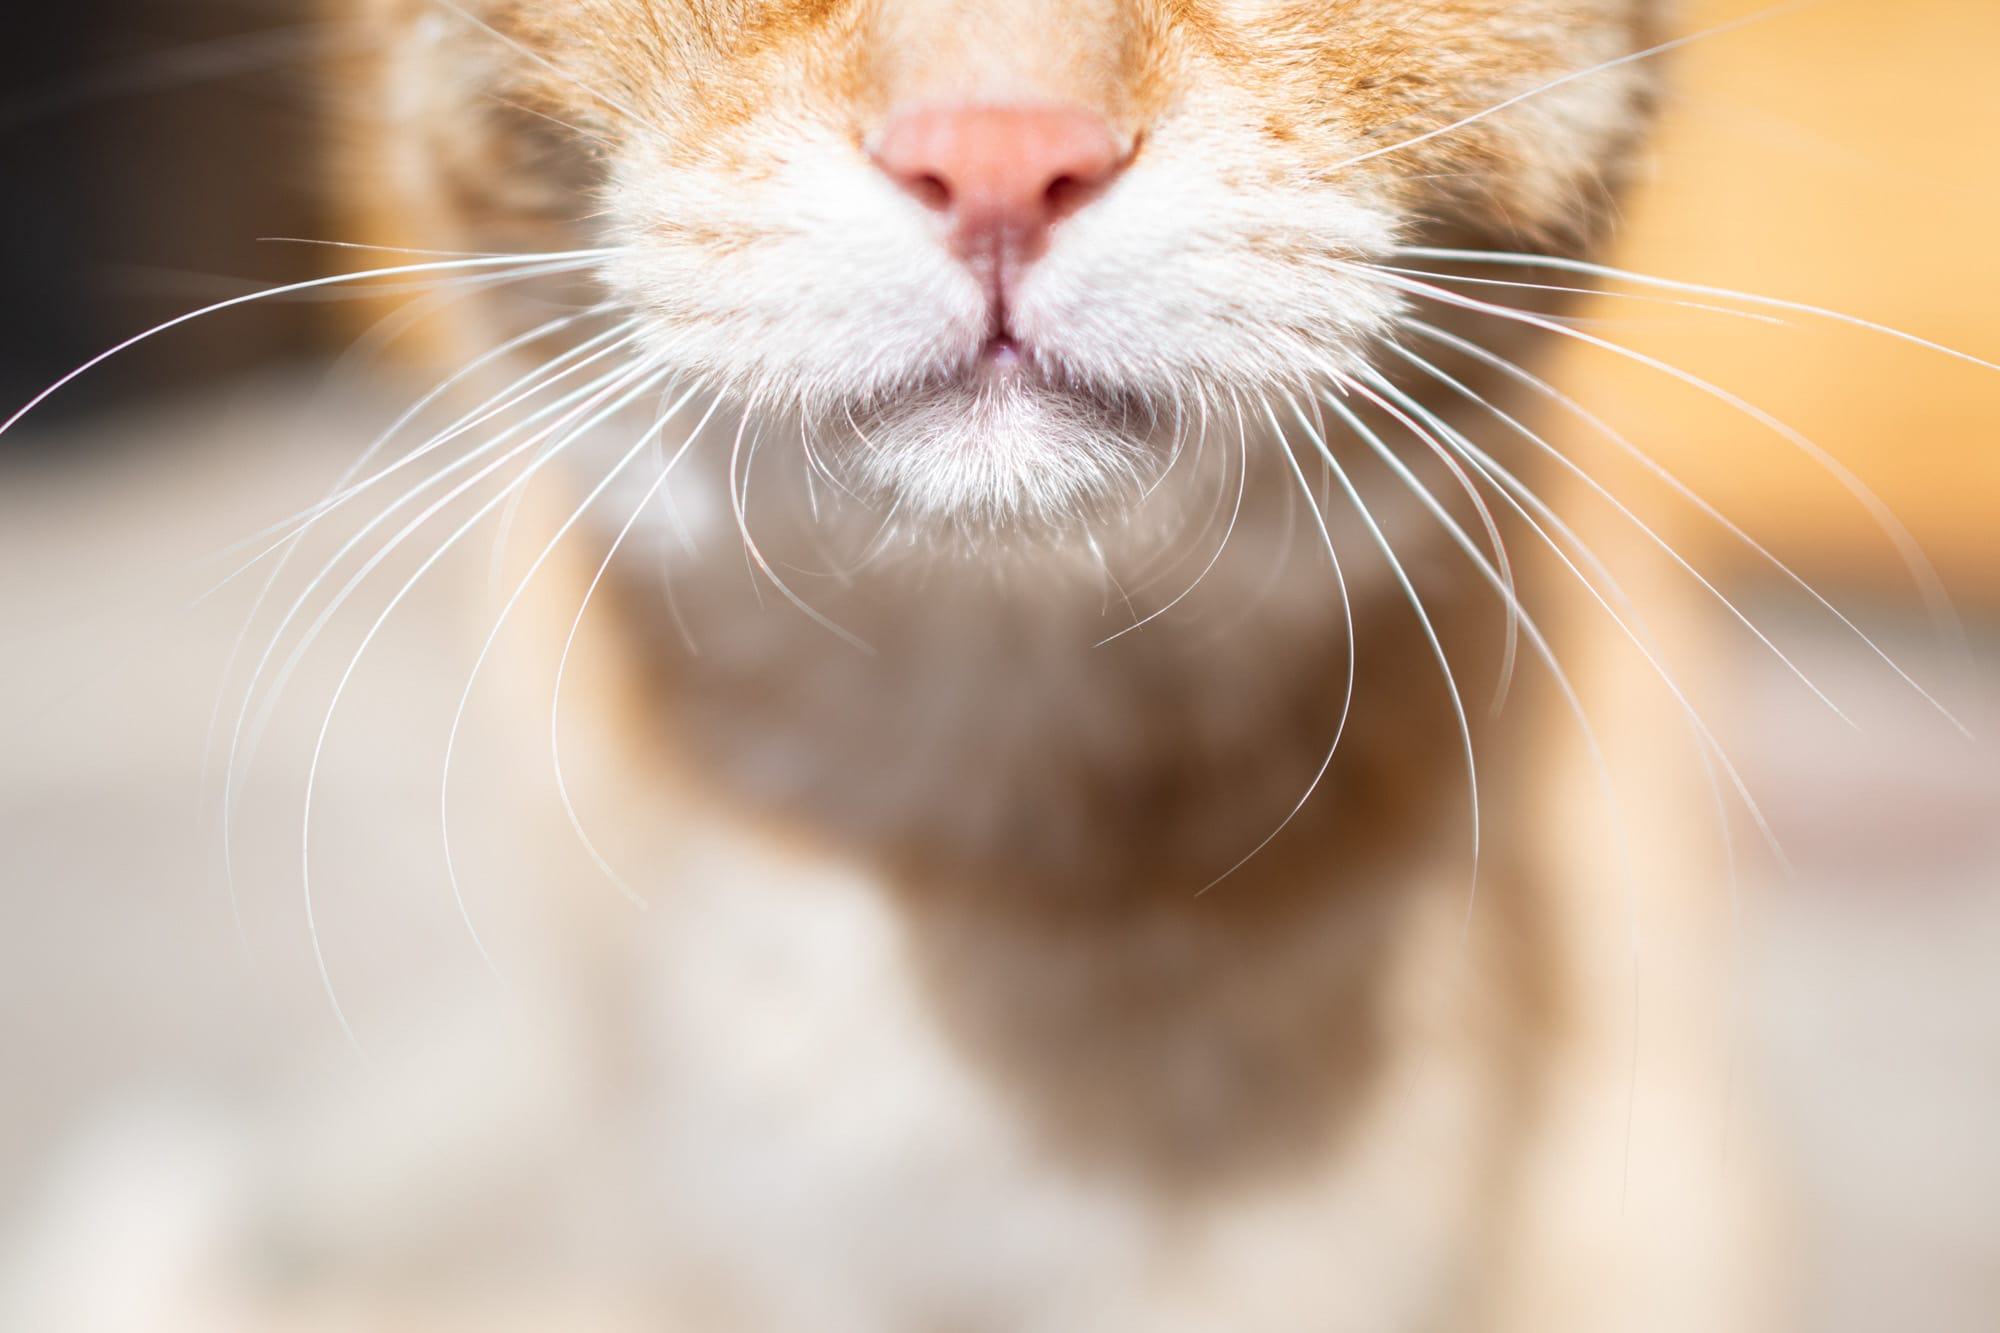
(1088, 890)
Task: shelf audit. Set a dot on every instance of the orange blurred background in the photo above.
(1845, 155)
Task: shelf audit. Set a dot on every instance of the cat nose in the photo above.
(1002, 175)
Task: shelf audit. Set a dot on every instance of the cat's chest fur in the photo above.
(825, 1151)
(935, 1023)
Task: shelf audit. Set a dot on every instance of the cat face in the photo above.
(1007, 254)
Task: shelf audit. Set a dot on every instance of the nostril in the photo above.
(930, 191)
(1068, 194)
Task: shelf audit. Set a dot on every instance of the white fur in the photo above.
(835, 295)
(822, 1150)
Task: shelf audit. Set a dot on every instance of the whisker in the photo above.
(369, 247)
(294, 526)
(739, 499)
(1409, 589)
(1521, 260)
(562, 405)
(1347, 614)
(544, 62)
(581, 259)
(604, 484)
(1511, 650)
(1169, 555)
(1709, 750)
(1545, 651)
(1560, 289)
(1912, 554)
(1704, 734)
(1242, 484)
(569, 644)
(1631, 58)
(294, 542)
(650, 378)
(1286, 542)
(183, 66)
(1623, 509)
(1687, 493)
(242, 749)
(1708, 754)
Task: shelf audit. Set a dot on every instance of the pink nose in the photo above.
(1003, 175)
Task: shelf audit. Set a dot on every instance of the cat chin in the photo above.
(1002, 454)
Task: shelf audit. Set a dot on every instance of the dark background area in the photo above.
(145, 148)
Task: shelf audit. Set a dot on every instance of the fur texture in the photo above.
(1018, 969)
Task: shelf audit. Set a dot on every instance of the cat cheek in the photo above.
(816, 286)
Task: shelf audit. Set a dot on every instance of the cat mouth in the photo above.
(1000, 363)
(1000, 359)
(1001, 352)
(997, 430)
(1004, 365)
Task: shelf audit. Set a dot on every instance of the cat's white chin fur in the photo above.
(998, 450)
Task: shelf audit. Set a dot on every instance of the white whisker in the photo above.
(604, 483)
(569, 644)
(293, 543)
(345, 489)
(1501, 257)
(1618, 62)
(1347, 616)
(649, 379)
(1912, 554)
(578, 401)
(1409, 590)
(1623, 509)
(739, 499)
(547, 263)
(1687, 493)
(1511, 649)
(544, 62)
(1242, 482)
(1561, 290)
(1704, 734)
(242, 748)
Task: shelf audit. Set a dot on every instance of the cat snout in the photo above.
(1002, 176)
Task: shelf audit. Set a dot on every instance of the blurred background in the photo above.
(1844, 155)
(145, 149)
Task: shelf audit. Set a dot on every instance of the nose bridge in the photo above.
(1019, 52)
